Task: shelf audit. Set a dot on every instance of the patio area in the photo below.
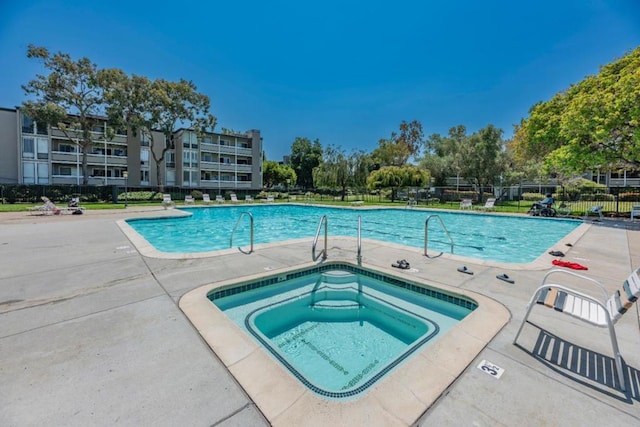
(91, 332)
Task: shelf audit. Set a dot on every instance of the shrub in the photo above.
(460, 194)
(598, 197)
(629, 197)
(577, 188)
(196, 194)
(532, 197)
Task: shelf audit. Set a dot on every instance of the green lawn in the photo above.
(578, 208)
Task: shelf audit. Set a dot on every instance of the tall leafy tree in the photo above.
(593, 124)
(396, 177)
(145, 106)
(274, 173)
(399, 148)
(444, 155)
(334, 171)
(70, 97)
(305, 156)
(484, 157)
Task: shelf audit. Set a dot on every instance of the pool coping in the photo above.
(399, 398)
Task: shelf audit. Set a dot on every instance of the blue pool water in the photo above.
(340, 328)
(492, 237)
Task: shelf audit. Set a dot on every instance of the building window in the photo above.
(35, 173)
(28, 148)
(67, 148)
(64, 170)
(144, 156)
(144, 177)
(144, 140)
(170, 159)
(171, 177)
(28, 125)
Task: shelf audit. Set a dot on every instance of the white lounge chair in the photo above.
(206, 199)
(219, 199)
(489, 205)
(602, 312)
(466, 204)
(269, 199)
(167, 202)
(234, 198)
(594, 210)
(635, 211)
(248, 199)
(189, 200)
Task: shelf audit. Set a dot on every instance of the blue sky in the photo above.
(345, 72)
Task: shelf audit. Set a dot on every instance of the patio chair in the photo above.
(167, 202)
(50, 208)
(489, 205)
(219, 199)
(248, 199)
(234, 198)
(206, 199)
(47, 208)
(635, 211)
(594, 210)
(189, 200)
(466, 204)
(269, 199)
(602, 313)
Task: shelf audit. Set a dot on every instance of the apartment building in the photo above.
(36, 154)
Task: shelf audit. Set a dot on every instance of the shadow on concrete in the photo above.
(584, 366)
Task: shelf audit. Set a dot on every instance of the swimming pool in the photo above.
(501, 238)
(338, 328)
(403, 392)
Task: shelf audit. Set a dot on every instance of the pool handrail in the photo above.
(236, 227)
(315, 240)
(359, 253)
(426, 235)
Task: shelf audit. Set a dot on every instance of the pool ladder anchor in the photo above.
(242, 215)
(426, 235)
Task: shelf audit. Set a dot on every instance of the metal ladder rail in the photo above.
(426, 235)
(236, 227)
(323, 253)
(359, 253)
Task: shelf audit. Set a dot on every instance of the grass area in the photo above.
(24, 207)
(578, 208)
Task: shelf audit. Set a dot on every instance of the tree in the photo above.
(397, 150)
(593, 124)
(444, 155)
(274, 173)
(396, 177)
(304, 157)
(484, 157)
(145, 106)
(70, 97)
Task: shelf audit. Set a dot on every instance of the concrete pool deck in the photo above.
(91, 332)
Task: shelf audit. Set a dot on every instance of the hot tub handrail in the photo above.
(426, 235)
(236, 227)
(323, 220)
